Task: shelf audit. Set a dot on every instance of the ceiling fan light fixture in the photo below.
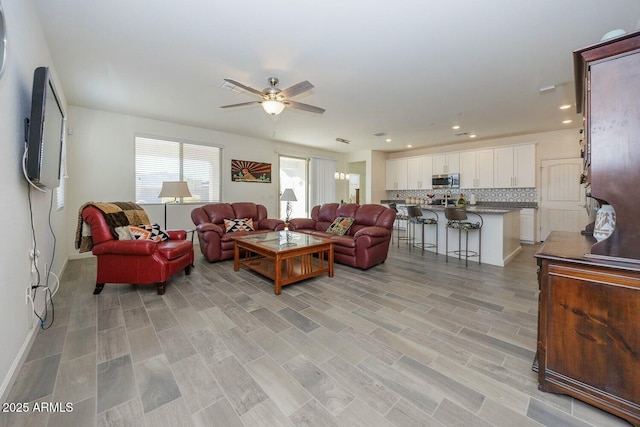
(273, 107)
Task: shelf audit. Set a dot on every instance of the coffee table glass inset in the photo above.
(284, 256)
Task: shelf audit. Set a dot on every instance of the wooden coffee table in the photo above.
(284, 256)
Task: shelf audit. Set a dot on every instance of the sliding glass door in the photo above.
(294, 174)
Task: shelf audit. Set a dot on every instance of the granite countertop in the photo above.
(476, 208)
(501, 206)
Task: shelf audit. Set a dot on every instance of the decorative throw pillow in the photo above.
(233, 225)
(341, 225)
(123, 233)
(151, 232)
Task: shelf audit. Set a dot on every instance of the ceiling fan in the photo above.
(274, 99)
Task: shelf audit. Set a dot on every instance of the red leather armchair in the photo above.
(365, 244)
(215, 243)
(136, 261)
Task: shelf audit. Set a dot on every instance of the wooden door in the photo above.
(562, 197)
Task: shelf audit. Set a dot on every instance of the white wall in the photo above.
(375, 189)
(100, 163)
(27, 49)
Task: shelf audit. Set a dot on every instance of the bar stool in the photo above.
(399, 217)
(416, 216)
(410, 236)
(457, 219)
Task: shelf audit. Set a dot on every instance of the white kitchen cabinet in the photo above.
(396, 174)
(515, 166)
(476, 169)
(446, 163)
(528, 225)
(419, 172)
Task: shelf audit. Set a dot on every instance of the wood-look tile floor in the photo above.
(412, 342)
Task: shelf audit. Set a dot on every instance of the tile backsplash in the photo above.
(529, 195)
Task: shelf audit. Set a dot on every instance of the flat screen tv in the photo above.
(45, 132)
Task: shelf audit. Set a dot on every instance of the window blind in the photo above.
(159, 160)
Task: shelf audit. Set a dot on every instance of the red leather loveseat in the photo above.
(134, 261)
(365, 244)
(215, 243)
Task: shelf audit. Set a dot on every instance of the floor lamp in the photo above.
(288, 196)
(174, 189)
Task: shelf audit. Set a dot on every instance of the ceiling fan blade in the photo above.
(297, 89)
(241, 104)
(245, 87)
(305, 107)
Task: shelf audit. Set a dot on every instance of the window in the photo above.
(159, 160)
(60, 194)
(293, 174)
(60, 191)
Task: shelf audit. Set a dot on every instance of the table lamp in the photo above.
(288, 196)
(173, 189)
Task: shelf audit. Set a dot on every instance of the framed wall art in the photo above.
(248, 171)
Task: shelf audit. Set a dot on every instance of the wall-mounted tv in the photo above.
(45, 132)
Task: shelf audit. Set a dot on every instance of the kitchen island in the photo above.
(500, 232)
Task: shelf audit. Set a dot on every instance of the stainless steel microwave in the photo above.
(449, 180)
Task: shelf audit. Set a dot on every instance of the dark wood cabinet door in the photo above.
(577, 329)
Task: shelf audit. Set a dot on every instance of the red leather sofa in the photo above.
(215, 243)
(136, 261)
(365, 244)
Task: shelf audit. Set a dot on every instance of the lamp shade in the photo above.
(288, 195)
(273, 107)
(174, 189)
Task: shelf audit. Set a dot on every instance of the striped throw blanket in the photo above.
(118, 215)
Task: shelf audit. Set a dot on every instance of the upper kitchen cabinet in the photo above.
(476, 169)
(446, 163)
(515, 166)
(419, 172)
(396, 174)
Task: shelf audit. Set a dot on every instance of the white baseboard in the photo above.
(12, 375)
(81, 256)
(14, 370)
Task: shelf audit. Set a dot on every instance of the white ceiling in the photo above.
(409, 68)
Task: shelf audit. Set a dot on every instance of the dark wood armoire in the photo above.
(608, 94)
(589, 304)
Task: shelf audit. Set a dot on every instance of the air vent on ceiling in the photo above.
(231, 87)
(344, 141)
(379, 134)
(462, 134)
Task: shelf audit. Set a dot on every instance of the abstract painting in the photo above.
(247, 171)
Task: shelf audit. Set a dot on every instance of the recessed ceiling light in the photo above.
(565, 107)
(473, 135)
(409, 146)
(388, 139)
(567, 121)
(456, 127)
